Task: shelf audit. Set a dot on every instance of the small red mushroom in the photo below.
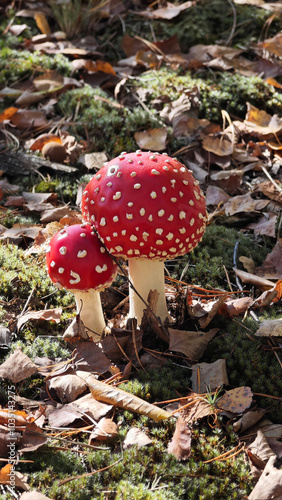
(147, 208)
(77, 260)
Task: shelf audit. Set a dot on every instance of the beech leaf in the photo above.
(17, 367)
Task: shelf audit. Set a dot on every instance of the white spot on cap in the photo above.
(137, 186)
(159, 230)
(98, 177)
(164, 254)
(92, 202)
(112, 170)
(133, 174)
(119, 249)
(76, 278)
(102, 249)
(172, 249)
(153, 194)
(177, 240)
(182, 230)
(133, 237)
(185, 182)
(192, 222)
(62, 234)
(100, 269)
(140, 162)
(173, 181)
(61, 270)
(161, 213)
(82, 235)
(130, 204)
(63, 250)
(145, 235)
(129, 216)
(171, 217)
(197, 196)
(174, 200)
(169, 236)
(163, 189)
(108, 238)
(191, 203)
(166, 168)
(155, 172)
(92, 218)
(123, 232)
(181, 194)
(103, 221)
(115, 235)
(103, 198)
(142, 211)
(117, 195)
(109, 184)
(52, 264)
(97, 190)
(150, 218)
(81, 254)
(159, 242)
(183, 169)
(115, 218)
(130, 252)
(182, 215)
(119, 174)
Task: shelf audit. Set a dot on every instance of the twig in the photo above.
(229, 39)
(87, 474)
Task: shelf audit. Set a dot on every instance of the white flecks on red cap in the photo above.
(160, 198)
(79, 261)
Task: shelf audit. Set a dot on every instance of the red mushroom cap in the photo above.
(145, 205)
(77, 260)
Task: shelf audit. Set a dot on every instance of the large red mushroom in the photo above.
(78, 261)
(147, 208)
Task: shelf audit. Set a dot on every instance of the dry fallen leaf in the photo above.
(244, 203)
(192, 344)
(269, 485)
(67, 387)
(209, 376)
(180, 445)
(236, 400)
(168, 12)
(18, 366)
(46, 315)
(270, 327)
(152, 139)
(112, 395)
(105, 430)
(136, 436)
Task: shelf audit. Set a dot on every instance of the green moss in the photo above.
(18, 65)
(218, 91)
(20, 274)
(105, 124)
(205, 264)
(249, 360)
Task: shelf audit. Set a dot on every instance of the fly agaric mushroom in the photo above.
(77, 260)
(146, 208)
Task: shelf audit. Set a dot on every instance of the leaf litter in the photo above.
(252, 146)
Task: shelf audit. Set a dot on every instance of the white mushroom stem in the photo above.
(146, 275)
(89, 306)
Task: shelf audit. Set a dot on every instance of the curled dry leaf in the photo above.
(105, 430)
(262, 123)
(117, 397)
(17, 367)
(68, 387)
(46, 315)
(244, 203)
(180, 445)
(136, 436)
(192, 344)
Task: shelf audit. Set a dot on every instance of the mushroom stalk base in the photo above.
(88, 304)
(146, 275)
